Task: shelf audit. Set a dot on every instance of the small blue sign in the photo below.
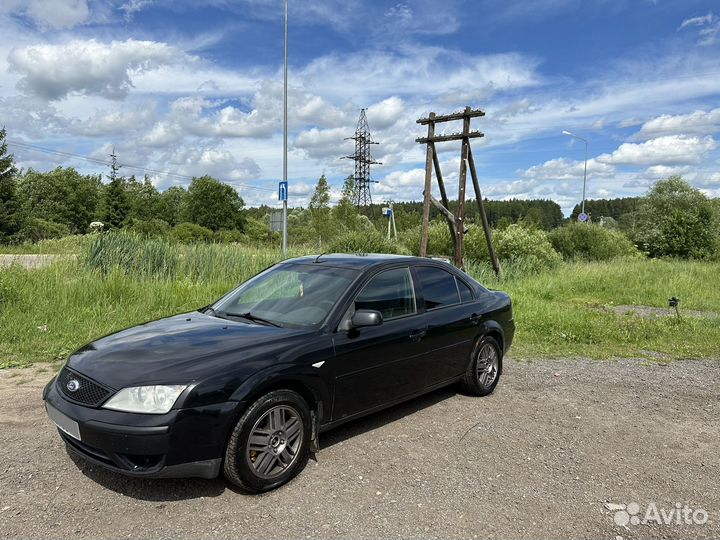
(283, 191)
(583, 217)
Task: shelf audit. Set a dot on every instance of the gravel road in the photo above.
(546, 456)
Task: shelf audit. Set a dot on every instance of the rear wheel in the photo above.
(484, 369)
(270, 443)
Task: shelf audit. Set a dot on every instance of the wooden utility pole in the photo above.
(456, 224)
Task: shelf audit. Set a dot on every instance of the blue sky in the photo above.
(192, 87)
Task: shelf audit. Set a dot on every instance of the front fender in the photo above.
(308, 381)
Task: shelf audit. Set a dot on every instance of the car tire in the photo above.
(484, 369)
(270, 443)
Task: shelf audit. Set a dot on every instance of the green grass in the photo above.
(47, 313)
(568, 311)
(61, 246)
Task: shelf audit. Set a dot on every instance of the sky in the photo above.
(182, 88)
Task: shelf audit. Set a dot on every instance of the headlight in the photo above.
(157, 399)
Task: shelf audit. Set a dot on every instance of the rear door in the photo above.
(379, 364)
(452, 324)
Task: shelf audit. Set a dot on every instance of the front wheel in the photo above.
(484, 368)
(270, 444)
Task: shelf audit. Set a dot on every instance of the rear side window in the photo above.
(438, 287)
(390, 292)
(466, 294)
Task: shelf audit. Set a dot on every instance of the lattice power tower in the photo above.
(363, 159)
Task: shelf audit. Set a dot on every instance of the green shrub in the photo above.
(152, 228)
(528, 248)
(590, 242)
(364, 242)
(190, 233)
(439, 240)
(475, 244)
(36, 229)
(229, 236)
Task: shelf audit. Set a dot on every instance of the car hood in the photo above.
(176, 350)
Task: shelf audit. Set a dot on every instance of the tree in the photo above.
(142, 199)
(9, 218)
(170, 204)
(676, 220)
(320, 215)
(62, 195)
(213, 205)
(115, 205)
(346, 213)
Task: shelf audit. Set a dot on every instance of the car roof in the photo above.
(362, 260)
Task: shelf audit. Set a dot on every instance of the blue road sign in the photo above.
(282, 191)
(583, 217)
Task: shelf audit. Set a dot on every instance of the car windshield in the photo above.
(295, 295)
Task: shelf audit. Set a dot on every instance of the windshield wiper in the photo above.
(250, 317)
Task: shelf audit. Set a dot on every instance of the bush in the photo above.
(526, 247)
(36, 229)
(230, 236)
(364, 242)
(475, 244)
(439, 240)
(152, 228)
(590, 242)
(190, 233)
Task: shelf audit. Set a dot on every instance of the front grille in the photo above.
(87, 393)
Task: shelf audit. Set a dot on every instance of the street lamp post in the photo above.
(285, 133)
(586, 157)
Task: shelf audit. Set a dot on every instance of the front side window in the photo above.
(438, 287)
(390, 292)
(296, 295)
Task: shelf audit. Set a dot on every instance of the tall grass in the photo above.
(159, 259)
(119, 281)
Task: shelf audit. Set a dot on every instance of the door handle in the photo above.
(417, 335)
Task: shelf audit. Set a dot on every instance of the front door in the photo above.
(379, 364)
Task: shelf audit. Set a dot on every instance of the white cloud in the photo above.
(49, 14)
(131, 7)
(709, 27)
(324, 143)
(694, 123)
(386, 113)
(666, 150)
(425, 71)
(88, 67)
(114, 123)
(663, 171)
(563, 169)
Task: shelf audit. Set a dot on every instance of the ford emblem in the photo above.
(73, 385)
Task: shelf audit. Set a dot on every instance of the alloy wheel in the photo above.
(275, 441)
(487, 365)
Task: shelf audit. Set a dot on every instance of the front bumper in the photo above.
(186, 442)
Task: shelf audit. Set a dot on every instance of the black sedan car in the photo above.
(247, 384)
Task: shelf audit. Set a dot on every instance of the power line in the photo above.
(21, 144)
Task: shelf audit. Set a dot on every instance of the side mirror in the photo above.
(366, 317)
